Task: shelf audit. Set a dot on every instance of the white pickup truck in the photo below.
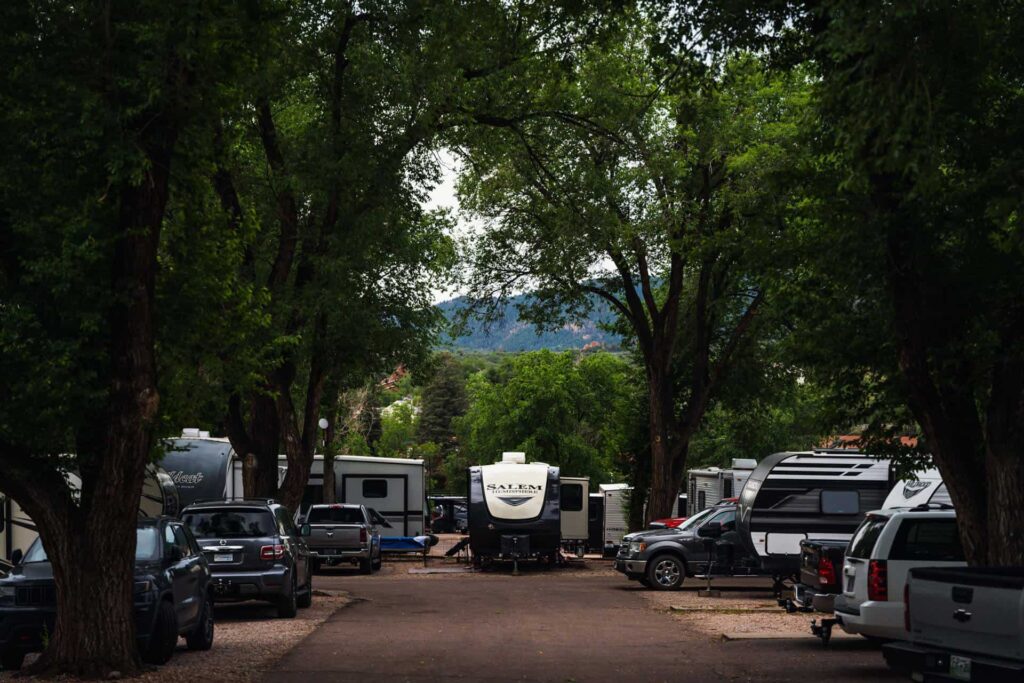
(963, 625)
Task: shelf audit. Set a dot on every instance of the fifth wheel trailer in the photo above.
(514, 510)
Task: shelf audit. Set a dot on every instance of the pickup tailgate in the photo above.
(816, 556)
(974, 610)
(335, 536)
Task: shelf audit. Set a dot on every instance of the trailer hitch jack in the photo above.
(823, 630)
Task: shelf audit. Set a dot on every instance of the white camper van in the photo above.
(708, 487)
(616, 498)
(926, 489)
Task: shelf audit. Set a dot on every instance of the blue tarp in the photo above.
(402, 544)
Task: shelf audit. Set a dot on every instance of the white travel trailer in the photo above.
(708, 487)
(18, 531)
(615, 525)
(574, 503)
(926, 489)
(208, 468)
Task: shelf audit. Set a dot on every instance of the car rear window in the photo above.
(927, 539)
(863, 541)
(336, 515)
(230, 523)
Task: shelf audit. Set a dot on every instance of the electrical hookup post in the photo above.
(708, 591)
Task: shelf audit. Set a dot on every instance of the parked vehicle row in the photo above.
(218, 551)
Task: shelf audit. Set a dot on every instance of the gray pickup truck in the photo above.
(963, 624)
(345, 533)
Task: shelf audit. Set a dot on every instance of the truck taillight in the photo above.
(878, 580)
(272, 552)
(826, 571)
(906, 607)
(362, 534)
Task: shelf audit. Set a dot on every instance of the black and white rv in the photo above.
(514, 510)
(821, 494)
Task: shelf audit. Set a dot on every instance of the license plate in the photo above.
(223, 557)
(960, 668)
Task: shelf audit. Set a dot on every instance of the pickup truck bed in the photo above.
(966, 624)
(821, 566)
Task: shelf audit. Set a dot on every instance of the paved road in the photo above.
(546, 627)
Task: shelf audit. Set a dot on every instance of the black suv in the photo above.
(172, 596)
(663, 558)
(255, 552)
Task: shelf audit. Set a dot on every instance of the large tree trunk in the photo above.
(95, 628)
(667, 455)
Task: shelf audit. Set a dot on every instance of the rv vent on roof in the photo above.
(190, 433)
(513, 457)
(744, 463)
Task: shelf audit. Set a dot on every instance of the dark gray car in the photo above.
(663, 558)
(255, 552)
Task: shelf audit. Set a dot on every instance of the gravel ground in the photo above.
(249, 640)
(740, 609)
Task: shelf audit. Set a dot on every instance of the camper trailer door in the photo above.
(385, 493)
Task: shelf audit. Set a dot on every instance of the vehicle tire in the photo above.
(164, 636)
(306, 599)
(666, 573)
(377, 562)
(287, 606)
(201, 637)
(366, 566)
(11, 660)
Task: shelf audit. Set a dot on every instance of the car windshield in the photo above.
(147, 546)
(692, 521)
(232, 523)
(338, 515)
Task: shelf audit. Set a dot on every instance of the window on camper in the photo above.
(572, 497)
(375, 488)
(840, 502)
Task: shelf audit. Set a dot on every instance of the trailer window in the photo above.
(840, 502)
(927, 539)
(375, 488)
(572, 497)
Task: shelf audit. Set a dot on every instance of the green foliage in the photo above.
(398, 423)
(563, 409)
(444, 399)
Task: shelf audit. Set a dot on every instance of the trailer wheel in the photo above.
(666, 573)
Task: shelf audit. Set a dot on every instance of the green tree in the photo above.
(651, 184)
(105, 110)
(557, 408)
(398, 427)
(444, 399)
(911, 288)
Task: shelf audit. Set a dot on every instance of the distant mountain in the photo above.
(512, 334)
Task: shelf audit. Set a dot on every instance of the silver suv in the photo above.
(886, 545)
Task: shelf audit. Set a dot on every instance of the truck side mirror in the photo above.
(305, 530)
(710, 530)
(17, 556)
